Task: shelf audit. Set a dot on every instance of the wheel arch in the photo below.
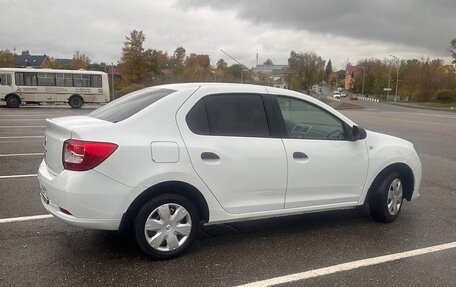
(407, 178)
(175, 187)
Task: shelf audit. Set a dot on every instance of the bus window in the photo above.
(5, 80)
(85, 82)
(19, 79)
(63, 80)
(46, 79)
(77, 80)
(96, 81)
(30, 79)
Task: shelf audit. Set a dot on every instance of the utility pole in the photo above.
(389, 81)
(398, 65)
(364, 76)
(112, 79)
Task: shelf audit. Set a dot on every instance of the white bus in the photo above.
(74, 87)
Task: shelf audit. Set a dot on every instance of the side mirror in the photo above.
(358, 133)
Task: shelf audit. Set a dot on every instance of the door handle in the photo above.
(299, 155)
(209, 156)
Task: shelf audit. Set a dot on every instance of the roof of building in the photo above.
(269, 68)
(30, 60)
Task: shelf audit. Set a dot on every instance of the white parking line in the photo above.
(25, 218)
(22, 137)
(349, 266)
(6, 127)
(17, 176)
(21, 154)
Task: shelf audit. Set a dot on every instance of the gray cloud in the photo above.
(419, 24)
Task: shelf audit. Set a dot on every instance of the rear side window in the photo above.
(229, 115)
(130, 104)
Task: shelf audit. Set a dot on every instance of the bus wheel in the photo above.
(76, 102)
(13, 101)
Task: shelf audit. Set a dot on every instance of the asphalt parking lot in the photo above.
(46, 252)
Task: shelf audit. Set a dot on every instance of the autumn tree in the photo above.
(221, 64)
(305, 70)
(453, 50)
(197, 68)
(80, 61)
(52, 64)
(134, 61)
(7, 59)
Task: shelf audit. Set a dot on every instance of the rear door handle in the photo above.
(299, 155)
(209, 156)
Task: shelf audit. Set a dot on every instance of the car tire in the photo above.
(166, 226)
(386, 198)
(13, 101)
(76, 102)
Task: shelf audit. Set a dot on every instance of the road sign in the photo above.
(387, 89)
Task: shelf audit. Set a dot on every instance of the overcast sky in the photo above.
(343, 31)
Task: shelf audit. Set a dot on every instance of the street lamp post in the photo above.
(112, 80)
(389, 81)
(398, 65)
(364, 76)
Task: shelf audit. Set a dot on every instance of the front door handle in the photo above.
(209, 156)
(299, 155)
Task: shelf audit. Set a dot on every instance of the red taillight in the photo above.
(84, 155)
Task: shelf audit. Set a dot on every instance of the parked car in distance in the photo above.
(343, 95)
(336, 94)
(353, 97)
(160, 161)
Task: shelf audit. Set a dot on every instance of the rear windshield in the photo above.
(130, 104)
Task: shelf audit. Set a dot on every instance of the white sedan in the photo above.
(163, 160)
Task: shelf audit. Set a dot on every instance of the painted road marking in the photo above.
(21, 137)
(8, 127)
(17, 176)
(349, 266)
(25, 218)
(21, 154)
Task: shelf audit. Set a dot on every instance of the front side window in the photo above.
(306, 121)
(96, 81)
(229, 115)
(5, 80)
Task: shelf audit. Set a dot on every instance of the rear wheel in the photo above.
(76, 102)
(386, 200)
(166, 226)
(13, 101)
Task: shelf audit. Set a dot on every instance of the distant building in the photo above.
(350, 73)
(278, 79)
(34, 61)
(269, 68)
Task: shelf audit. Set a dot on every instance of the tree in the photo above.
(305, 70)
(52, 64)
(268, 62)
(221, 64)
(80, 61)
(179, 56)
(453, 50)
(197, 68)
(328, 69)
(134, 61)
(7, 59)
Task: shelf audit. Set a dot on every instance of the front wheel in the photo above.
(13, 101)
(166, 226)
(386, 200)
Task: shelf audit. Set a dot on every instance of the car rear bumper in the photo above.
(92, 199)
